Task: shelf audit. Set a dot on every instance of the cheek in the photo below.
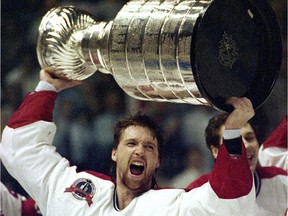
(255, 146)
(257, 150)
(154, 161)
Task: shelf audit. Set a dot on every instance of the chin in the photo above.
(252, 167)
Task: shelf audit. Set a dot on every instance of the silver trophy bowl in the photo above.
(195, 52)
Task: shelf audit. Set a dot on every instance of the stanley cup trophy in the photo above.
(189, 51)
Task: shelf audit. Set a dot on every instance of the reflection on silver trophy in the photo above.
(151, 49)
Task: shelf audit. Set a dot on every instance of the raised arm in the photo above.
(229, 187)
(26, 149)
(232, 162)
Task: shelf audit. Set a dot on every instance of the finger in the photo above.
(44, 75)
(235, 102)
(240, 103)
(50, 70)
(64, 84)
(247, 102)
(231, 100)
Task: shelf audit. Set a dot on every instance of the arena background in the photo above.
(83, 113)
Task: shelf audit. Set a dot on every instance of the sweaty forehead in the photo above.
(139, 133)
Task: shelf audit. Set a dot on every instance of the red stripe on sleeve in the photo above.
(35, 107)
(270, 172)
(278, 137)
(231, 178)
(198, 182)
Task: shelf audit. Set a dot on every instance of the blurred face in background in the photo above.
(250, 141)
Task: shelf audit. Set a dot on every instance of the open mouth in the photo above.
(136, 168)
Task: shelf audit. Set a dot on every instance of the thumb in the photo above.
(59, 82)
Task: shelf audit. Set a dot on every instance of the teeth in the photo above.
(138, 164)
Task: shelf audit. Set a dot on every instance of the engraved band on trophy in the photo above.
(195, 52)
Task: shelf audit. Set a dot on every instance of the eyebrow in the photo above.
(129, 140)
(249, 133)
(135, 140)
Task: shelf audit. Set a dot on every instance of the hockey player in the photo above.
(270, 182)
(59, 189)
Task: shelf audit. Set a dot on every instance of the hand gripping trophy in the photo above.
(182, 51)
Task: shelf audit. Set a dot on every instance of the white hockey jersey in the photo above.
(59, 190)
(271, 190)
(274, 150)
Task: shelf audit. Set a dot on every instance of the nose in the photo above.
(139, 149)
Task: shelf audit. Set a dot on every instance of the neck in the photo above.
(124, 195)
(123, 199)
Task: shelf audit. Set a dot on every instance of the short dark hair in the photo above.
(212, 131)
(139, 120)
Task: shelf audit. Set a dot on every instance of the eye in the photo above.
(130, 144)
(250, 138)
(150, 147)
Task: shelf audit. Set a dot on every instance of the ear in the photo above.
(114, 154)
(214, 151)
(158, 163)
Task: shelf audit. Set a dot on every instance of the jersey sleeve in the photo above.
(274, 152)
(26, 149)
(231, 177)
(227, 190)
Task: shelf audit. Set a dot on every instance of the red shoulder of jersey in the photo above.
(278, 138)
(198, 182)
(35, 107)
(100, 175)
(270, 172)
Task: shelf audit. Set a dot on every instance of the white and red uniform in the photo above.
(60, 190)
(274, 151)
(271, 190)
(14, 204)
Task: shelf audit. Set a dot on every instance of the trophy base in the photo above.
(236, 52)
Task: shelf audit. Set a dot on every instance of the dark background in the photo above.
(19, 74)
